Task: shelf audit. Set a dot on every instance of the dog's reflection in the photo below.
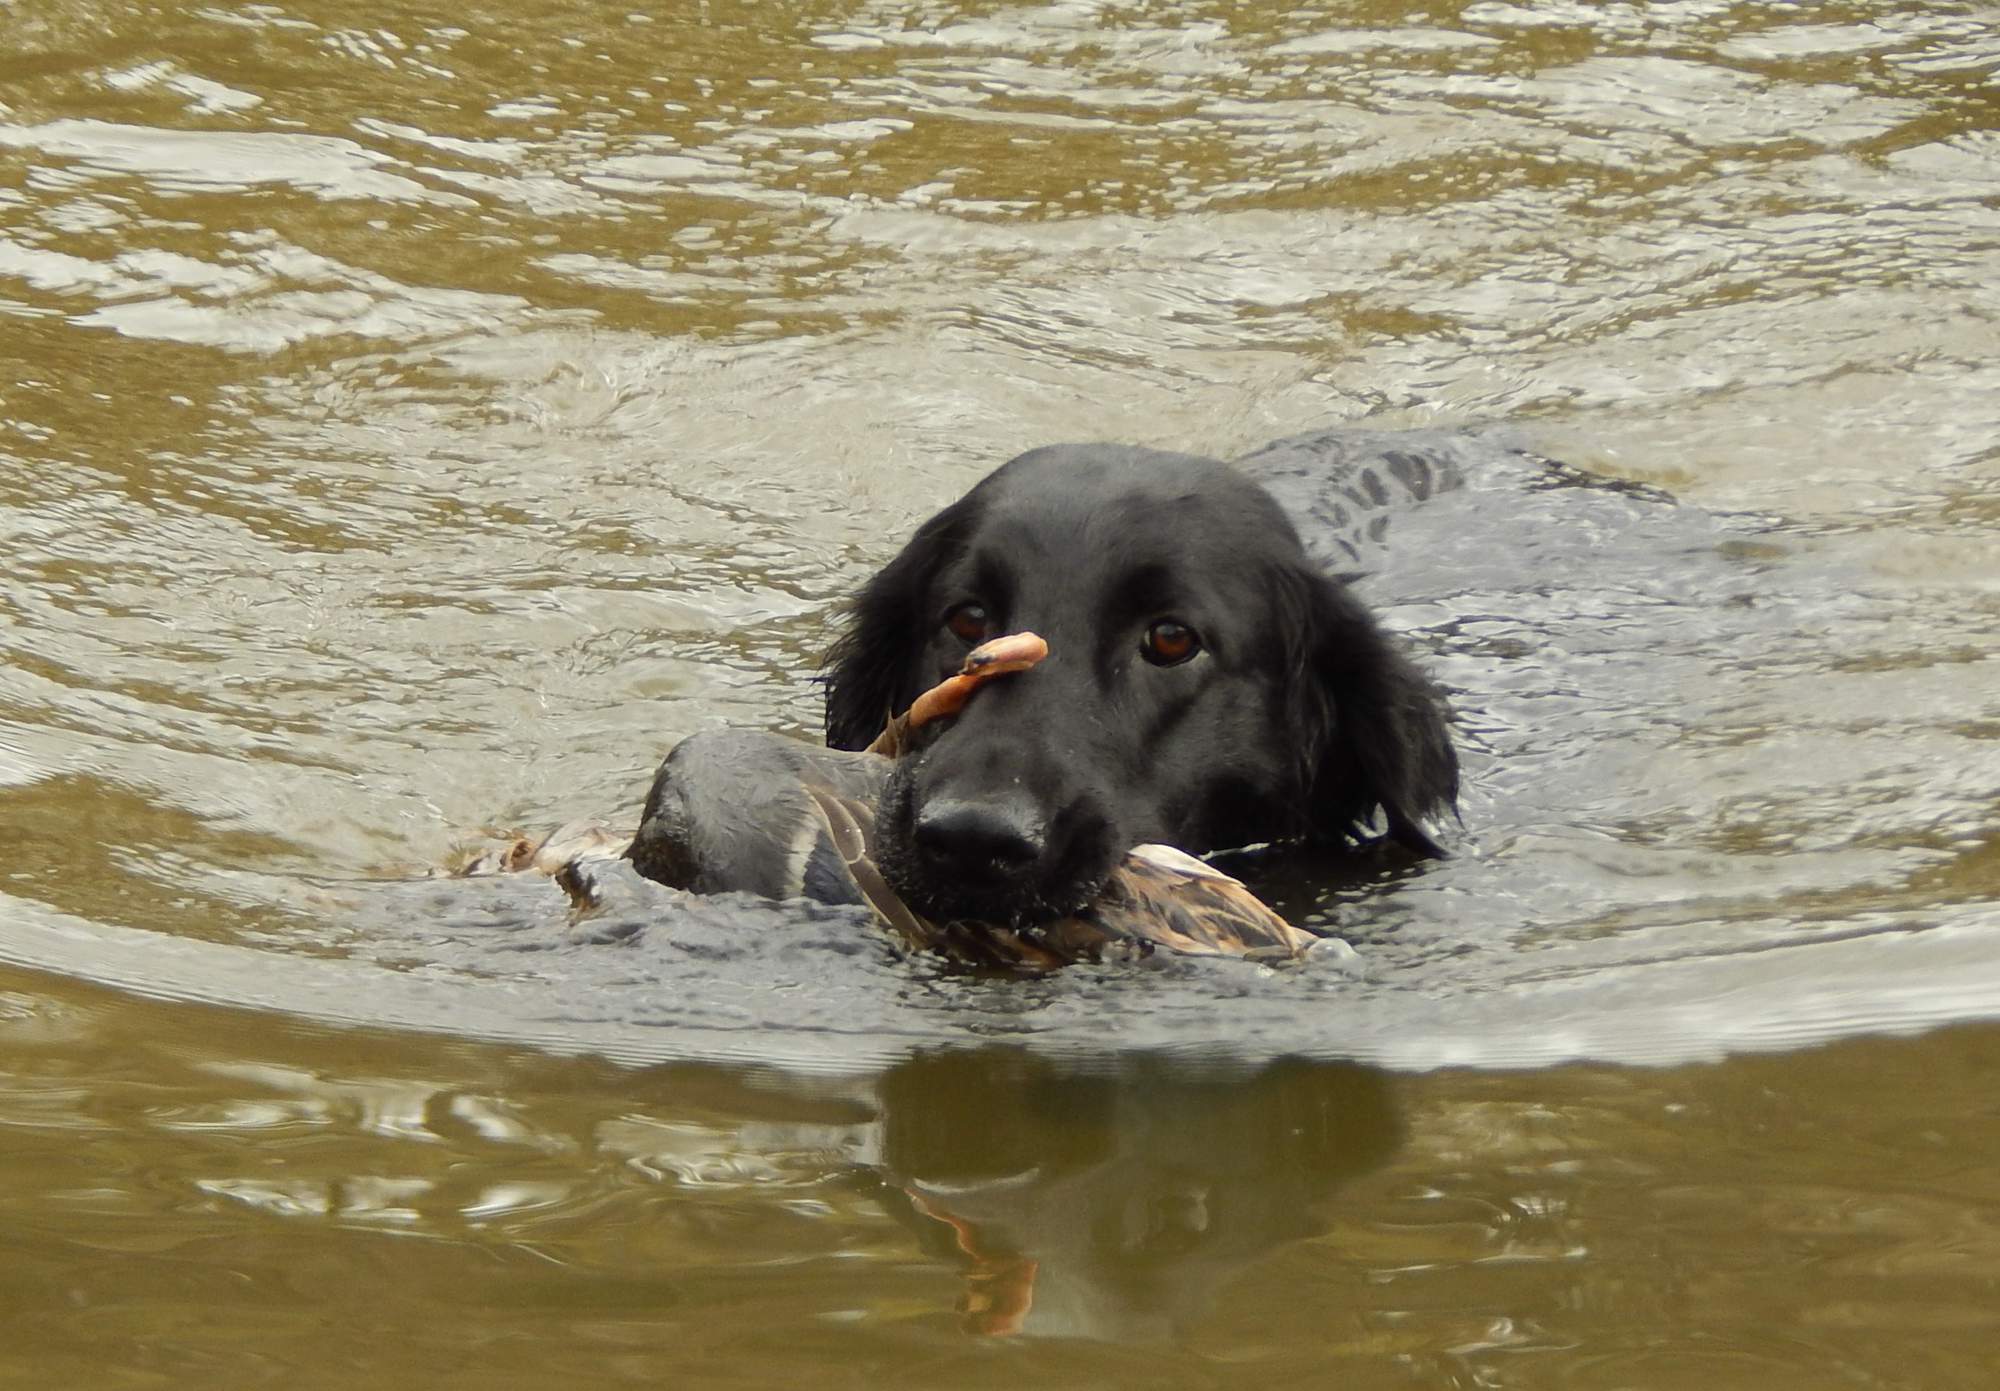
(1110, 1201)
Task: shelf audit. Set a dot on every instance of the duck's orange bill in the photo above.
(998, 657)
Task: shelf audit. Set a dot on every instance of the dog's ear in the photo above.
(1376, 726)
(871, 672)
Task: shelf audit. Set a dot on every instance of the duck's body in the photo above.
(736, 811)
(731, 810)
(755, 813)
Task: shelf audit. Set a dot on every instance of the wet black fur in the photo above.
(1298, 720)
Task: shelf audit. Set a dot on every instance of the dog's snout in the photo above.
(979, 838)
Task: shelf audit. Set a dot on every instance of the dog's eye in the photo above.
(1168, 643)
(970, 623)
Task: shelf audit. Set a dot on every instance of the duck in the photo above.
(754, 812)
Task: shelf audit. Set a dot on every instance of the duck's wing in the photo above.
(1158, 898)
(849, 838)
(1166, 898)
(850, 834)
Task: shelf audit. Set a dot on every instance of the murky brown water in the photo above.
(413, 421)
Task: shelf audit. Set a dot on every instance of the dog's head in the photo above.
(1205, 686)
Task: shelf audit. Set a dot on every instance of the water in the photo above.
(415, 422)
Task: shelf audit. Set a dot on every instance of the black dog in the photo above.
(1207, 686)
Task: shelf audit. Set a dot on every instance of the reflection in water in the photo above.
(1109, 1203)
(186, 1186)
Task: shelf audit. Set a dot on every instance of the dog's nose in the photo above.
(978, 838)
